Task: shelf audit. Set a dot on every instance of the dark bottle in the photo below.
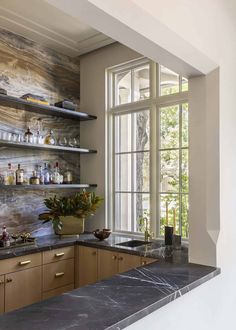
(19, 175)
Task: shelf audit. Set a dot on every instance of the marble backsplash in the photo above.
(27, 67)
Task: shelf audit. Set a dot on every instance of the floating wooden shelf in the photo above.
(50, 110)
(25, 145)
(49, 186)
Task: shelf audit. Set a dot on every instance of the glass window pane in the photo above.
(185, 125)
(141, 171)
(184, 84)
(141, 83)
(169, 127)
(141, 209)
(122, 87)
(169, 212)
(169, 81)
(185, 175)
(185, 208)
(123, 172)
(123, 212)
(132, 132)
(169, 171)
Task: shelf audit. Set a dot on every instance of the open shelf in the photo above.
(50, 110)
(49, 186)
(4, 143)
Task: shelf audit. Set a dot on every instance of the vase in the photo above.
(71, 225)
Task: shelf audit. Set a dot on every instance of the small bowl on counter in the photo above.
(102, 234)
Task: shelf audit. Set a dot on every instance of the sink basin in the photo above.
(133, 243)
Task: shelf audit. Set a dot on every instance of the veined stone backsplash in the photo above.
(27, 67)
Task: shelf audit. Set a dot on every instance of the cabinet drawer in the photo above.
(58, 291)
(20, 263)
(58, 274)
(58, 254)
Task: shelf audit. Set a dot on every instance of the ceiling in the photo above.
(39, 21)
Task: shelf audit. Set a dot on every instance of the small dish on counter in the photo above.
(102, 234)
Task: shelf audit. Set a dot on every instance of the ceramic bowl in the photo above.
(102, 234)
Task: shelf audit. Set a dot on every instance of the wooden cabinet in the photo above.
(2, 282)
(107, 264)
(87, 266)
(58, 254)
(146, 261)
(20, 263)
(22, 288)
(127, 262)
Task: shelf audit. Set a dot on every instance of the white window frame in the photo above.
(154, 103)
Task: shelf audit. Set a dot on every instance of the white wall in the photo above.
(92, 93)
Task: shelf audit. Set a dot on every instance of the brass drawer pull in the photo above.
(144, 263)
(9, 280)
(1, 282)
(59, 274)
(23, 263)
(59, 254)
(113, 257)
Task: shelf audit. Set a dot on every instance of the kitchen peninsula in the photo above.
(112, 303)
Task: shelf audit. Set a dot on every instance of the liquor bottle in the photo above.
(57, 178)
(29, 136)
(67, 177)
(34, 178)
(9, 177)
(19, 175)
(5, 237)
(40, 174)
(46, 174)
(49, 138)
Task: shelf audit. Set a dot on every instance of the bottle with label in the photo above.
(9, 178)
(29, 136)
(5, 237)
(46, 174)
(57, 178)
(34, 178)
(67, 177)
(50, 139)
(19, 175)
(40, 174)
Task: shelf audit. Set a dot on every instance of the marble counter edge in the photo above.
(162, 302)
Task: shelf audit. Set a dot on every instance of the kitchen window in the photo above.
(147, 148)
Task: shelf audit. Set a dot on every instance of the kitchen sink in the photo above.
(133, 243)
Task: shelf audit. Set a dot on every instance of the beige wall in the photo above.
(92, 93)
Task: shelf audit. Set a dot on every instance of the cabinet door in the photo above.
(1, 294)
(23, 288)
(107, 264)
(87, 265)
(127, 262)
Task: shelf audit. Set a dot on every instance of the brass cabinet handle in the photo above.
(26, 262)
(59, 254)
(94, 253)
(120, 258)
(1, 282)
(113, 257)
(59, 274)
(9, 280)
(144, 263)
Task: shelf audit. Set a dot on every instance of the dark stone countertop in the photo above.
(156, 249)
(117, 302)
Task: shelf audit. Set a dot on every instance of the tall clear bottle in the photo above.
(57, 178)
(46, 174)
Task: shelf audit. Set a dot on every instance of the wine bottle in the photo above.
(19, 175)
